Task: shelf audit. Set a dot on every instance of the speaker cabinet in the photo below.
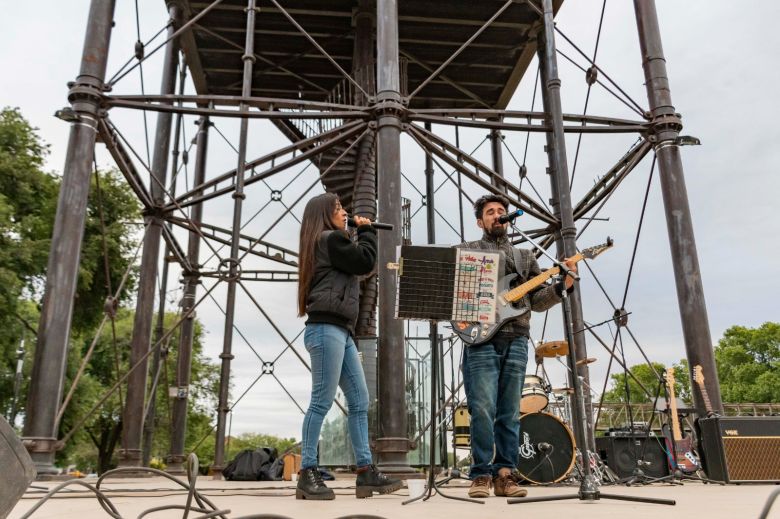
(621, 453)
(17, 471)
(740, 449)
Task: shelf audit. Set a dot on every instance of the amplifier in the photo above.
(621, 453)
(740, 449)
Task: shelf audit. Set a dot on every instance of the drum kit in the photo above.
(548, 450)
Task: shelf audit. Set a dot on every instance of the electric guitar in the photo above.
(681, 448)
(473, 333)
(698, 376)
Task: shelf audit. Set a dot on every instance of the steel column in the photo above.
(233, 262)
(561, 194)
(48, 372)
(666, 125)
(496, 149)
(392, 445)
(133, 418)
(161, 353)
(177, 455)
(430, 207)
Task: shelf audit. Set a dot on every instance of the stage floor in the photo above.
(133, 496)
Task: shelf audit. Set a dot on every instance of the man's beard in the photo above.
(496, 231)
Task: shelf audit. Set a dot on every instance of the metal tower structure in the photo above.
(345, 81)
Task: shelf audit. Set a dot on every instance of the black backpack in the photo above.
(250, 465)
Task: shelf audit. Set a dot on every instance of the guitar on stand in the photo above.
(681, 454)
(474, 333)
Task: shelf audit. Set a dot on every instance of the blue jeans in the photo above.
(335, 363)
(493, 375)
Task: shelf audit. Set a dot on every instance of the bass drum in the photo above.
(546, 449)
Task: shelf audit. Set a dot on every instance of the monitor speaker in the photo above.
(621, 453)
(17, 471)
(740, 449)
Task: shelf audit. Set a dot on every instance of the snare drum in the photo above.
(534, 397)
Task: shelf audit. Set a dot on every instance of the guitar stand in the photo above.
(675, 478)
(589, 487)
(431, 486)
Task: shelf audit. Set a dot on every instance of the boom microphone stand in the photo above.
(589, 487)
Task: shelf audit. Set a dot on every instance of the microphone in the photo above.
(375, 225)
(510, 217)
(544, 447)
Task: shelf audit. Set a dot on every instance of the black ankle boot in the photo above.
(370, 480)
(310, 486)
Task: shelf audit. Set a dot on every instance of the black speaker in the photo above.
(621, 452)
(17, 471)
(738, 449)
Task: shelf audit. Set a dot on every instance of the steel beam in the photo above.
(565, 236)
(177, 455)
(133, 417)
(233, 262)
(666, 125)
(48, 371)
(172, 246)
(441, 148)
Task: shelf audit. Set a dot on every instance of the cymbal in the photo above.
(588, 360)
(562, 390)
(553, 349)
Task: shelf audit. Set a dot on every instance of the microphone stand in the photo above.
(589, 487)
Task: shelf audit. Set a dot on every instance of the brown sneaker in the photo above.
(480, 486)
(506, 486)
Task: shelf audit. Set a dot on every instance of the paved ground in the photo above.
(133, 496)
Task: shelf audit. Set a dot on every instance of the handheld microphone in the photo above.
(375, 225)
(510, 217)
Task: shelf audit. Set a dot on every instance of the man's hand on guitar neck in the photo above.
(571, 265)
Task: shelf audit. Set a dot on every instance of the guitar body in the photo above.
(681, 454)
(509, 301)
(473, 334)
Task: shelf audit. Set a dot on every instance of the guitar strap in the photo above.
(518, 257)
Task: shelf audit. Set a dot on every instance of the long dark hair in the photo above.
(317, 217)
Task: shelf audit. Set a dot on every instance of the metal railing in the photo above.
(345, 92)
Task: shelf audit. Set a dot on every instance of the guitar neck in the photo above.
(676, 433)
(705, 396)
(521, 290)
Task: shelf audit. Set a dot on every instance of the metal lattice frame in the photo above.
(352, 114)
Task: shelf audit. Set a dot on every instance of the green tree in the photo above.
(28, 201)
(651, 382)
(94, 447)
(748, 362)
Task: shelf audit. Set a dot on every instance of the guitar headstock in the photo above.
(669, 376)
(592, 252)
(698, 375)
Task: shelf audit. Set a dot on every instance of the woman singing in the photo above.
(329, 266)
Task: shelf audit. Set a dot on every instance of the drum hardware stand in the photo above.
(589, 488)
(431, 486)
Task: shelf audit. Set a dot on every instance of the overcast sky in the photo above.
(722, 63)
